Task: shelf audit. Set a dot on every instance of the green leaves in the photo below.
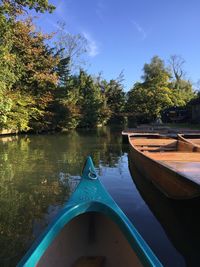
(146, 100)
(16, 7)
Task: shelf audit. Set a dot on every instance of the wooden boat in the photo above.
(172, 165)
(193, 139)
(179, 220)
(90, 231)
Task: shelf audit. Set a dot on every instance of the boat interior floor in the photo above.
(90, 240)
(95, 261)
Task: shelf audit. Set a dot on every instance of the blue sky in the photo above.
(123, 35)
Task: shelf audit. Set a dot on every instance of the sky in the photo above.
(123, 35)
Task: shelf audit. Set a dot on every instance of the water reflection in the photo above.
(27, 188)
(37, 175)
(179, 219)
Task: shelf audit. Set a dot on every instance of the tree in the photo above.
(63, 71)
(147, 99)
(93, 104)
(176, 64)
(36, 58)
(67, 104)
(146, 103)
(16, 7)
(27, 70)
(156, 72)
(114, 97)
(71, 47)
(182, 88)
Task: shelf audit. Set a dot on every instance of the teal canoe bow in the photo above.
(93, 218)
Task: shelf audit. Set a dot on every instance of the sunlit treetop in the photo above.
(15, 7)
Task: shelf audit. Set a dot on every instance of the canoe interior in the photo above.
(90, 240)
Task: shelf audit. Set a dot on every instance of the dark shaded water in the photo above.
(38, 174)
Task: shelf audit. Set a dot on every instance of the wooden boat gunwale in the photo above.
(90, 196)
(169, 169)
(182, 137)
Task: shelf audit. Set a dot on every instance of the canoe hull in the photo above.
(90, 222)
(169, 182)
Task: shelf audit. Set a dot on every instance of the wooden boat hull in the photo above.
(179, 219)
(91, 229)
(170, 182)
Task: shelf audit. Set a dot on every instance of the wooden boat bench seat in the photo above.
(154, 142)
(155, 148)
(94, 261)
(175, 156)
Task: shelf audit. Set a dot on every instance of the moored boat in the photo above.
(193, 139)
(172, 165)
(179, 220)
(91, 230)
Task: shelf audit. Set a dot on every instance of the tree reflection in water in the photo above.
(37, 175)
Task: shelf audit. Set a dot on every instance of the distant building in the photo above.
(175, 114)
(195, 110)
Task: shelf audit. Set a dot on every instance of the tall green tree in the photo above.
(93, 105)
(27, 68)
(147, 99)
(114, 97)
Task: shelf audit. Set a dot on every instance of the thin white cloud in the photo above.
(93, 49)
(139, 29)
(100, 7)
(63, 10)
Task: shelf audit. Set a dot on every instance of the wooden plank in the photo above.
(95, 261)
(156, 148)
(175, 156)
(183, 146)
(153, 142)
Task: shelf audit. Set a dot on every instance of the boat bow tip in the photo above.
(89, 171)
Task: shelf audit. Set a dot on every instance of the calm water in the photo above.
(38, 174)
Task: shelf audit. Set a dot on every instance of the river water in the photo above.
(38, 173)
